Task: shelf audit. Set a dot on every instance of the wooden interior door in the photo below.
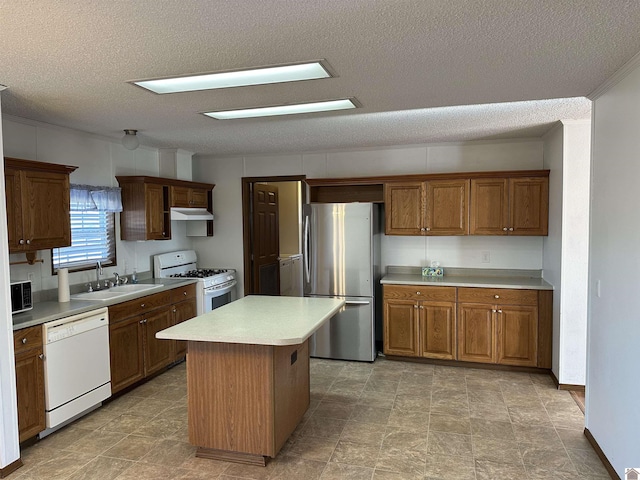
(265, 241)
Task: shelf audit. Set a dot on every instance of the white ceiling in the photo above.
(67, 62)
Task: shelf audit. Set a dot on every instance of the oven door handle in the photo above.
(220, 290)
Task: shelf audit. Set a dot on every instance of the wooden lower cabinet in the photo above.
(419, 328)
(29, 381)
(135, 351)
(485, 325)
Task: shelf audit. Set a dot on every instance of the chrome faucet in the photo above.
(98, 273)
(116, 279)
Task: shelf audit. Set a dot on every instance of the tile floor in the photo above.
(387, 420)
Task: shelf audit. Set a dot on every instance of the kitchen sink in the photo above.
(115, 292)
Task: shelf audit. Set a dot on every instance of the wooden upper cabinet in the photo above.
(510, 206)
(436, 207)
(188, 197)
(147, 202)
(447, 207)
(404, 213)
(37, 197)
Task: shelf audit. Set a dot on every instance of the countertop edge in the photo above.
(516, 283)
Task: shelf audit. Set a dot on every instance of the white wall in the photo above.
(225, 248)
(9, 449)
(98, 160)
(565, 249)
(613, 382)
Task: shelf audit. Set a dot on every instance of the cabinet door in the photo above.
(517, 335)
(155, 212)
(489, 206)
(447, 207)
(158, 353)
(404, 213)
(437, 330)
(400, 328)
(183, 311)
(198, 198)
(126, 349)
(476, 333)
(30, 392)
(179, 196)
(529, 206)
(14, 214)
(45, 210)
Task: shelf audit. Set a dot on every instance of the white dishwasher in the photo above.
(77, 373)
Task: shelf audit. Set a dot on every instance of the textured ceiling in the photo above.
(67, 62)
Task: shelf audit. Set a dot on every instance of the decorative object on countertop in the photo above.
(63, 285)
(432, 271)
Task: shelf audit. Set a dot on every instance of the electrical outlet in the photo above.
(486, 257)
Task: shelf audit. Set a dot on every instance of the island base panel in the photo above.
(245, 399)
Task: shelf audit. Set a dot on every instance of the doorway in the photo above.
(261, 231)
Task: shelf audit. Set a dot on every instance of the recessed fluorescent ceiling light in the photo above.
(238, 78)
(326, 106)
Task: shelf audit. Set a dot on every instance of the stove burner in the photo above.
(200, 273)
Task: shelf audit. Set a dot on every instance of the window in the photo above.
(92, 240)
(92, 229)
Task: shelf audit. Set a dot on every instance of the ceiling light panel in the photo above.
(237, 78)
(326, 106)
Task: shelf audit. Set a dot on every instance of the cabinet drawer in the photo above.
(501, 296)
(139, 305)
(420, 292)
(183, 293)
(27, 338)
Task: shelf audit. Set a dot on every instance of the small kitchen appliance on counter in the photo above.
(215, 286)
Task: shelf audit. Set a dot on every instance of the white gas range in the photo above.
(215, 286)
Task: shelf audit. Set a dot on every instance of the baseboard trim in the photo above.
(601, 455)
(9, 469)
(566, 386)
(459, 363)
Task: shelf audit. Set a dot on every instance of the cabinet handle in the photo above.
(21, 242)
(511, 229)
(499, 311)
(428, 229)
(174, 310)
(422, 229)
(494, 310)
(504, 229)
(28, 242)
(41, 356)
(142, 321)
(418, 293)
(421, 307)
(142, 305)
(415, 306)
(496, 296)
(184, 293)
(24, 340)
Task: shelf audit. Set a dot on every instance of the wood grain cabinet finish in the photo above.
(188, 197)
(29, 381)
(510, 206)
(135, 351)
(484, 325)
(436, 207)
(37, 198)
(503, 330)
(419, 321)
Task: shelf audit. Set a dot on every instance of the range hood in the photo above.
(178, 213)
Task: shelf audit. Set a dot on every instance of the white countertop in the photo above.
(258, 320)
(482, 281)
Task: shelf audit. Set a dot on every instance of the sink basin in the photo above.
(115, 292)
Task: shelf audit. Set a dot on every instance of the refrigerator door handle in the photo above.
(357, 302)
(307, 259)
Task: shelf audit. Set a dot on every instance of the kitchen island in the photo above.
(248, 373)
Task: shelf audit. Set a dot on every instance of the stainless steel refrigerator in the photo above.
(341, 245)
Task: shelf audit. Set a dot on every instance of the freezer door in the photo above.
(349, 334)
(338, 246)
